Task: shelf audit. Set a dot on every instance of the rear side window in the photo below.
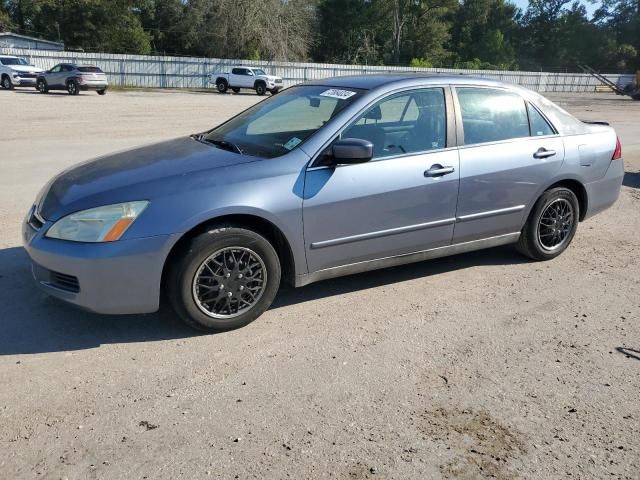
(90, 69)
(490, 115)
(539, 126)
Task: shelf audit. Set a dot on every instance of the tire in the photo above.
(548, 231)
(72, 87)
(261, 88)
(235, 89)
(41, 85)
(222, 86)
(197, 273)
(6, 82)
(274, 91)
(102, 92)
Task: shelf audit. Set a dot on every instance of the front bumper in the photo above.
(120, 277)
(23, 82)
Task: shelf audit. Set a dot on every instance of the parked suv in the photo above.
(73, 78)
(17, 72)
(247, 77)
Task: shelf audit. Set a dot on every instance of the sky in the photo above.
(590, 6)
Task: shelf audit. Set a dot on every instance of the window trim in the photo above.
(460, 126)
(450, 122)
(544, 117)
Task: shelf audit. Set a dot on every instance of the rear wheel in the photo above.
(222, 86)
(261, 88)
(41, 86)
(72, 87)
(224, 279)
(551, 225)
(6, 82)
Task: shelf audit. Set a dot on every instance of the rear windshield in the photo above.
(90, 69)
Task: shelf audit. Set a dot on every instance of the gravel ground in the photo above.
(481, 365)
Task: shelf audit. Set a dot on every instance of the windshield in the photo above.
(14, 61)
(258, 71)
(283, 122)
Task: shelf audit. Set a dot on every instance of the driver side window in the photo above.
(404, 123)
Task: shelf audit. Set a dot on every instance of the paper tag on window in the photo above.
(292, 143)
(339, 94)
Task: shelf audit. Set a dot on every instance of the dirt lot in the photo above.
(482, 365)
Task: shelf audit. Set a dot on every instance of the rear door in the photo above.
(396, 203)
(240, 78)
(508, 152)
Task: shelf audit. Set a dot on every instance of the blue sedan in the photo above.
(328, 178)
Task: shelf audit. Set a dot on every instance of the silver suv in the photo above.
(73, 78)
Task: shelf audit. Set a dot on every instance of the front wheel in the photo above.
(235, 89)
(6, 82)
(224, 279)
(274, 91)
(102, 92)
(551, 225)
(261, 89)
(41, 86)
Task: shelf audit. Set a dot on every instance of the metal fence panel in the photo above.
(193, 72)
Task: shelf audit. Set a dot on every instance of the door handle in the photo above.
(438, 170)
(544, 153)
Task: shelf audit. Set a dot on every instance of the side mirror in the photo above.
(349, 151)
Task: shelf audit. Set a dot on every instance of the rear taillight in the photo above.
(617, 153)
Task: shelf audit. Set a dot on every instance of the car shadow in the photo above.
(631, 179)
(33, 322)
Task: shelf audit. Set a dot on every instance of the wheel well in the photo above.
(4, 75)
(221, 79)
(258, 82)
(259, 225)
(580, 192)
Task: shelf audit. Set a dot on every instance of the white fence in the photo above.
(193, 72)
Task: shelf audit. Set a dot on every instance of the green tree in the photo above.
(486, 30)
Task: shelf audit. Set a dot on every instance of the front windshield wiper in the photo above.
(223, 144)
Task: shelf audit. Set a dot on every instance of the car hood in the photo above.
(130, 175)
(270, 77)
(25, 69)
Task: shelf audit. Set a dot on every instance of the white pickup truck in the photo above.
(246, 77)
(16, 72)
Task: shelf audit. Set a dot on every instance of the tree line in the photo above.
(548, 34)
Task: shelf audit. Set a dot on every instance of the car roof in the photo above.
(373, 81)
(8, 56)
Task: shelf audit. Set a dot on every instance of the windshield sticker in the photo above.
(339, 94)
(293, 143)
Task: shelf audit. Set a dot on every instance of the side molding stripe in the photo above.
(382, 233)
(490, 213)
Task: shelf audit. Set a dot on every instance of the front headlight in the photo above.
(102, 224)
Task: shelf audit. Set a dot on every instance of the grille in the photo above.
(278, 80)
(65, 282)
(27, 75)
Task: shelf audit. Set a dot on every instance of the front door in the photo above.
(402, 201)
(510, 152)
